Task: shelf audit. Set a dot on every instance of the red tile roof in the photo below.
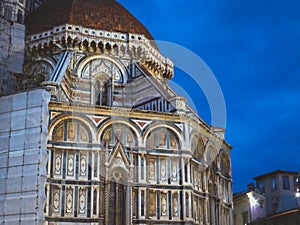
(97, 14)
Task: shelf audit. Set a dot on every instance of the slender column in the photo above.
(100, 95)
(128, 206)
(92, 94)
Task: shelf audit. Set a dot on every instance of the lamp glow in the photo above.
(298, 193)
(252, 200)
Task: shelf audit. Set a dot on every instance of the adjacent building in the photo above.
(273, 199)
(249, 205)
(279, 188)
(95, 135)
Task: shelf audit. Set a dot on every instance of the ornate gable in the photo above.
(118, 157)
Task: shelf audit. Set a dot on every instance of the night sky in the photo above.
(253, 48)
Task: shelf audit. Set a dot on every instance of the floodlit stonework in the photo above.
(121, 146)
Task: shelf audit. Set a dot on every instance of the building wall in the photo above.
(168, 179)
(248, 206)
(23, 157)
(241, 210)
(165, 187)
(278, 197)
(190, 177)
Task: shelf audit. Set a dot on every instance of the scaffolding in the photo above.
(11, 54)
(4, 52)
(12, 41)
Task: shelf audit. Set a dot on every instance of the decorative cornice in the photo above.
(127, 45)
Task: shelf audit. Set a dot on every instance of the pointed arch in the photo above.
(107, 132)
(165, 136)
(71, 130)
(224, 164)
(197, 147)
(59, 121)
(103, 90)
(211, 153)
(119, 132)
(117, 65)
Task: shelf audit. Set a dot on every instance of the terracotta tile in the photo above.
(98, 14)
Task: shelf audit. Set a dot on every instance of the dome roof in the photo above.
(96, 14)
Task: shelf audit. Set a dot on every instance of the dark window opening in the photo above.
(286, 182)
(20, 16)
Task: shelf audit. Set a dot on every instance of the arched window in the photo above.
(121, 133)
(93, 67)
(197, 148)
(224, 165)
(97, 90)
(71, 130)
(162, 138)
(211, 154)
(103, 93)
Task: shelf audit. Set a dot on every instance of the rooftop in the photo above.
(96, 14)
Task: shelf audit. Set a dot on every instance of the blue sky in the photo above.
(253, 49)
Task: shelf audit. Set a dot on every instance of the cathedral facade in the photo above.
(123, 147)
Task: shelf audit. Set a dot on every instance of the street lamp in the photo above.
(297, 186)
(297, 190)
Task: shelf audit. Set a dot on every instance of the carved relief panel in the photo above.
(70, 164)
(83, 164)
(151, 170)
(69, 201)
(40, 71)
(163, 170)
(58, 163)
(82, 201)
(56, 200)
(174, 169)
(175, 203)
(152, 203)
(164, 204)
